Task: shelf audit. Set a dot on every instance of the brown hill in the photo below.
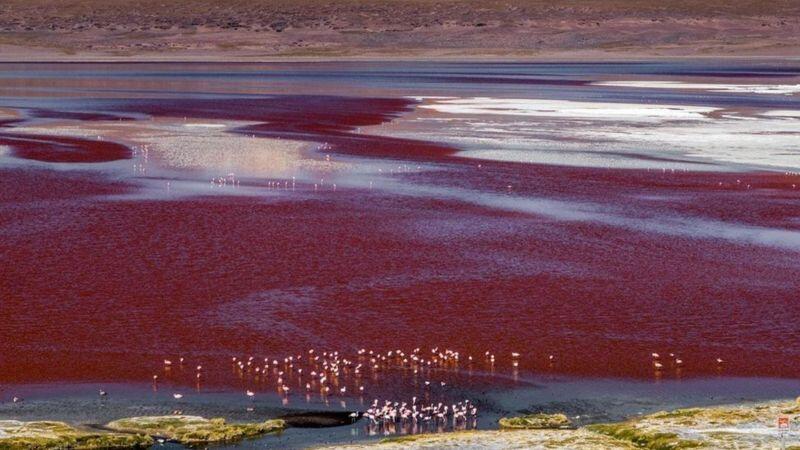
(396, 28)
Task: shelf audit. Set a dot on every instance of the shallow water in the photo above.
(354, 207)
(584, 400)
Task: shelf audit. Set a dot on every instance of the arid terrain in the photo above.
(261, 29)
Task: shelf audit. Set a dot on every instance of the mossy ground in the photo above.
(194, 429)
(573, 439)
(15, 435)
(731, 427)
(722, 427)
(719, 416)
(403, 439)
(719, 428)
(644, 439)
(535, 422)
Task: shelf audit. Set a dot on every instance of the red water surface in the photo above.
(63, 149)
(101, 289)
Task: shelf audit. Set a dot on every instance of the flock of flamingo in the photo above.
(416, 417)
(327, 374)
(330, 374)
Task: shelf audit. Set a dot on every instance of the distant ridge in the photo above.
(194, 29)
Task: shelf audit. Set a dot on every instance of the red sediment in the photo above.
(129, 283)
(759, 199)
(105, 290)
(26, 186)
(63, 149)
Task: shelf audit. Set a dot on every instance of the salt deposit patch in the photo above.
(611, 135)
(776, 89)
(204, 125)
(782, 113)
(568, 109)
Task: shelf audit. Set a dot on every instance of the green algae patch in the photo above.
(535, 422)
(423, 438)
(650, 440)
(792, 408)
(713, 416)
(195, 429)
(45, 435)
(678, 413)
(728, 427)
(574, 439)
(405, 439)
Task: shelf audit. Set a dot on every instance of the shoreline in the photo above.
(726, 425)
(23, 55)
(585, 401)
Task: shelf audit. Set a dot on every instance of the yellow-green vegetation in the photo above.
(714, 416)
(793, 408)
(195, 429)
(405, 438)
(535, 422)
(16, 435)
(644, 439)
(574, 439)
(720, 428)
